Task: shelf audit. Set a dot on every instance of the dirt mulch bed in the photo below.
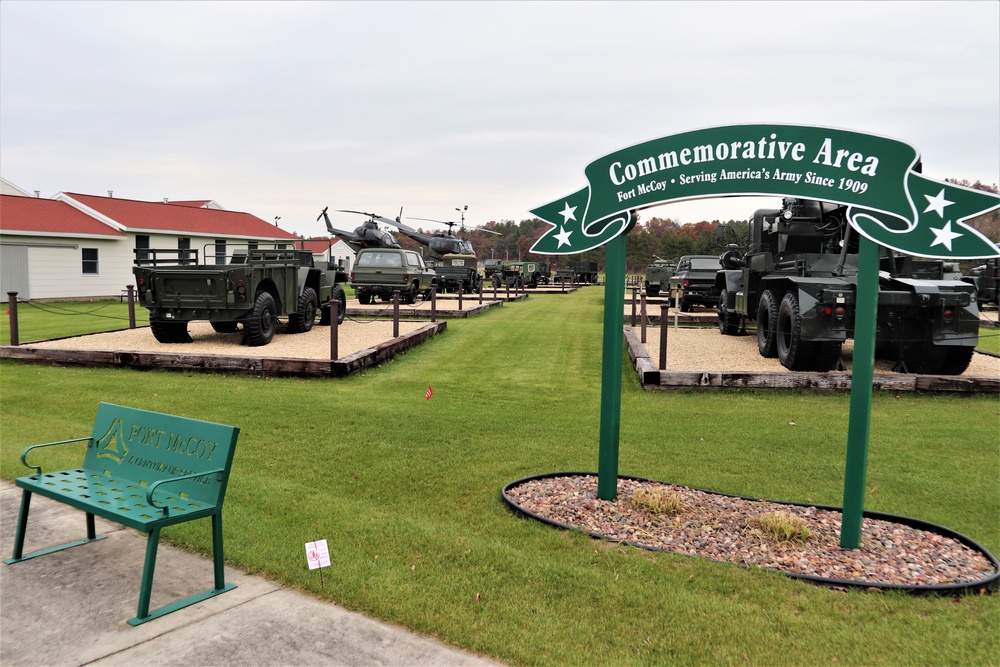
(722, 528)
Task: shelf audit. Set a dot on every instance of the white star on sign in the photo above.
(937, 203)
(568, 213)
(944, 236)
(562, 237)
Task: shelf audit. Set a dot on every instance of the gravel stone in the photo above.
(721, 528)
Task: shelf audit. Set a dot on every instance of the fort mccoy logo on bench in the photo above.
(878, 178)
(157, 443)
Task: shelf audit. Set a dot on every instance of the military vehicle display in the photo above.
(455, 262)
(658, 274)
(366, 235)
(986, 279)
(578, 272)
(250, 289)
(694, 280)
(507, 274)
(796, 277)
(378, 272)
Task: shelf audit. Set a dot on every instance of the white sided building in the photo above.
(77, 246)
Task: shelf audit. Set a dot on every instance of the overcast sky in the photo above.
(281, 109)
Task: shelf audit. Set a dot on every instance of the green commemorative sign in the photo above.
(890, 202)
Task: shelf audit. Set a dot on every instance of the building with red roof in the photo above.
(83, 246)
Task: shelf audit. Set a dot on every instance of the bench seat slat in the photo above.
(116, 499)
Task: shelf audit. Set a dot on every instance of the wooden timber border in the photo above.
(273, 366)
(652, 378)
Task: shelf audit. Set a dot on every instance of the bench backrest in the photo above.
(146, 447)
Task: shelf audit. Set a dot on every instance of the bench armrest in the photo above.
(38, 469)
(165, 509)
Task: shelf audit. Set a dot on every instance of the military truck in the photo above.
(378, 272)
(578, 272)
(536, 273)
(249, 289)
(986, 279)
(658, 274)
(509, 274)
(694, 281)
(490, 267)
(457, 273)
(796, 277)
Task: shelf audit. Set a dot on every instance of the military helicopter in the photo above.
(366, 235)
(456, 266)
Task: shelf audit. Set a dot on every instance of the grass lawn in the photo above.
(407, 492)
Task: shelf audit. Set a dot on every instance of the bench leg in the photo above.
(22, 527)
(152, 542)
(221, 586)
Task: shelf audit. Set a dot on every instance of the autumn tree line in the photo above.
(660, 237)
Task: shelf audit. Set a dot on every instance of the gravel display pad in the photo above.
(352, 336)
(896, 552)
(705, 349)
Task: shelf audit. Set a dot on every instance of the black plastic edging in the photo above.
(991, 583)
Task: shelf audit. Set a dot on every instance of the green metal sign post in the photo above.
(889, 204)
(862, 374)
(611, 368)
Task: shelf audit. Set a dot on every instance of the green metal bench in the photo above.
(145, 470)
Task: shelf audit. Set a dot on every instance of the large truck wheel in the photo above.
(341, 299)
(957, 360)
(259, 328)
(410, 296)
(364, 299)
(767, 324)
(653, 290)
(302, 319)
(794, 353)
(169, 331)
(729, 322)
(826, 354)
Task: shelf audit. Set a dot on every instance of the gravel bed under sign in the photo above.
(719, 527)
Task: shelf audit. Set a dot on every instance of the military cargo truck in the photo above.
(658, 274)
(796, 277)
(249, 289)
(578, 272)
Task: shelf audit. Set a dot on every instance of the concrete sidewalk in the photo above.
(71, 607)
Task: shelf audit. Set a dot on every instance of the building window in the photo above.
(220, 251)
(141, 245)
(184, 255)
(90, 262)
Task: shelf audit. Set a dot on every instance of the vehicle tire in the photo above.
(957, 360)
(410, 296)
(225, 327)
(302, 320)
(729, 323)
(826, 354)
(686, 306)
(364, 299)
(653, 291)
(259, 327)
(794, 353)
(341, 299)
(767, 324)
(169, 331)
(496, 282)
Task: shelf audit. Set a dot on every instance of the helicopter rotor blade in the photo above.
(375, 217)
